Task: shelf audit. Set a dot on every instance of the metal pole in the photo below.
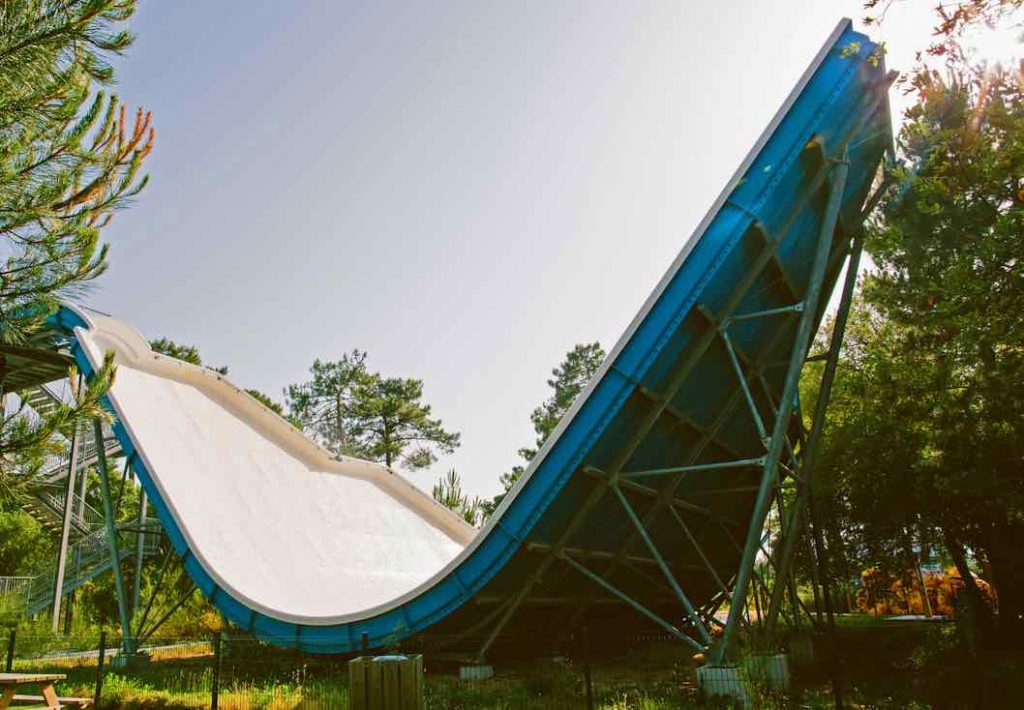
(115, 552)
(11, 640)
(99, 669)
(633, 603)
(818, 418)
(83, 488)
(215, 682)
(156, 588)
(140, 551)
(65, 531)
(663, 565)
(789, 391)
(586, 670)
(167, 614)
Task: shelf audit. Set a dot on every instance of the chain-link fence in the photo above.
(226, 671)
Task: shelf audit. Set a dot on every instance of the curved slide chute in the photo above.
(324, 554)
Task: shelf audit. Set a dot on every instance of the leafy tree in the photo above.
(354, 412)
(569, 379)
(323, 405)
(181, 351)
(267, 402)
(190, 354)
(926, 436)
(950, 274)
(390, 423)
(448, 492)
(953, 19)
(24, 545)
(69, 159)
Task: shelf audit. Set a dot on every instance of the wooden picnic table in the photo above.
(10, 682)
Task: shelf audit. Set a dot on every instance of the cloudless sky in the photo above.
(463, 189)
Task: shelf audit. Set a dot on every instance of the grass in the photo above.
(881, 665)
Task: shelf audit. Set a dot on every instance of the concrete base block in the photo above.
(480, 672)
(772, 669)
(722, 681)
(801, 649)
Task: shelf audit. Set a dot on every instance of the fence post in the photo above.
(99, 668)
(215, 681)
(9, 665)
(586, 670)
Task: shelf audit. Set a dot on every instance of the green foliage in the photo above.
(927, 418)
(181, 351)
(569, 379)
(391, 424)
(448, 492)
(275, 406)
(353, 412)
(190, 354)
(69, 158)
(26, 441)
(24, 545)
(323, 405)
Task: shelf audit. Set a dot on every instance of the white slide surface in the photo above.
(276, 520)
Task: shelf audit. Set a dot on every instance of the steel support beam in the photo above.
(666, 496)
(662, 565)
(788, 545)
(755, 413)
(167, 615)
(115, 552)
(65, 530)
(789, 391)
(140, 552)
(685, 420)
(678, 376)
(714, 466)
(632, 602)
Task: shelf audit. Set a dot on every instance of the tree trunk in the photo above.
(974, 621)
(1006, 558)
(339, 423)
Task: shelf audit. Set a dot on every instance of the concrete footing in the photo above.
(722, 681)
(477, 672)
(772, 669)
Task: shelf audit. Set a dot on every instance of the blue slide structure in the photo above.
(637, 510)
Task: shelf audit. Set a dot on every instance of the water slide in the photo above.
(328, 554)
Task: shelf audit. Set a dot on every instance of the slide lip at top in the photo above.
(445, 591)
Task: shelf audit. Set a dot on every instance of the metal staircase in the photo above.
(88, 554)
(88, 558)
(42, 400)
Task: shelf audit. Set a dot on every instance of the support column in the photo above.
(810, 452)
(140, 551)
(782, 416)
(65, 531)
(115, 552)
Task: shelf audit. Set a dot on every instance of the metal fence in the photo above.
(225, 671)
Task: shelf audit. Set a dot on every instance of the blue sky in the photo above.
(463, 189)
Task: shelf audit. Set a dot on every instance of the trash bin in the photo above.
(385, 683)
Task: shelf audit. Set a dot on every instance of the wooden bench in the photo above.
(62, 702)
(11, 682)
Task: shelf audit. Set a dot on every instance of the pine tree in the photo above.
(70, 157)
(323, 405)
(391, 424)
(569, 380)
(448, 492)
